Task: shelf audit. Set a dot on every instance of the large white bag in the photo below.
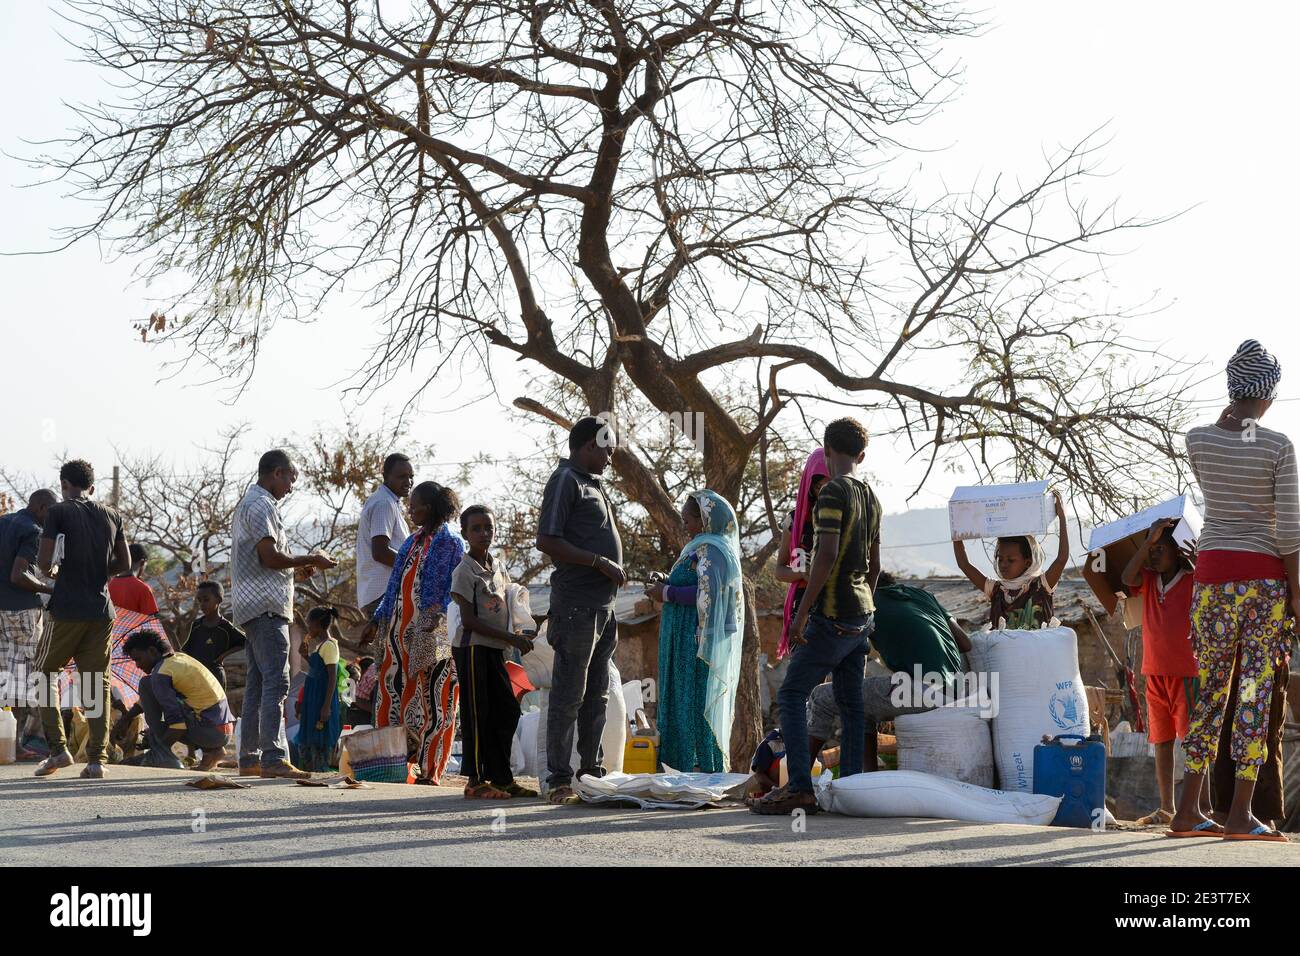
(523, 749)
(907, 793)
(539, 662)
(951, 742)
(1039, 692)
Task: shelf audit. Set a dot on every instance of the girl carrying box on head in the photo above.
(1021, 594)
(1162, 573)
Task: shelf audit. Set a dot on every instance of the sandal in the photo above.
(1202, 829)
(519, 790)
(1156, 818)
(1261, 834)
(783, 802)
(485, 791)
(563, 796)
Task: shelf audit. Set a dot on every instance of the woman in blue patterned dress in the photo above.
(417, 684)
(700, 633)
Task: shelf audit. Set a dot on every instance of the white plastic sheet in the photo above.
(664, 791)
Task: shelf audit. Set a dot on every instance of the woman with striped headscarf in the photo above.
(1247, 583)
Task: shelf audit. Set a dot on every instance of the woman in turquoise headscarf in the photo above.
(700, 634)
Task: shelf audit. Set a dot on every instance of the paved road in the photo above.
(147, 817)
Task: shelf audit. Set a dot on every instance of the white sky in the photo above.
(1198, 106)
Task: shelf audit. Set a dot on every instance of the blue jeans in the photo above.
(583, 639)
(839, 648)
(261, 733)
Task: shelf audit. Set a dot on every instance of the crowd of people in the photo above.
(1217, 637)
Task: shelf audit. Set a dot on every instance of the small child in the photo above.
(211, 638)
(489, 711)
(1021, 594)
(1163, 574)
(319, 722)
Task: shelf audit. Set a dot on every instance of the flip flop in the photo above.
(1260, 834)
(1201, 829)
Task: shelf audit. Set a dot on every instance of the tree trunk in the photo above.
(747, 726)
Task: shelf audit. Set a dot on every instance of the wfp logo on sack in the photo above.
(1064, 706)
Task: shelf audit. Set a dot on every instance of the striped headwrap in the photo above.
(1253, 372)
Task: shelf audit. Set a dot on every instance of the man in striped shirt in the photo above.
(834, 620)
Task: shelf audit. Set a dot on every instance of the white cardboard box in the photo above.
(1188, 528)
(996, 511)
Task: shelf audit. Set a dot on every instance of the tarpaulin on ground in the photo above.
(664, 791)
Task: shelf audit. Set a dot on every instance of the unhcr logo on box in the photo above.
(76, 909)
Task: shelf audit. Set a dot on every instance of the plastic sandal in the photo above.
(1156, 818)
(1260, 834)
(1202, 829)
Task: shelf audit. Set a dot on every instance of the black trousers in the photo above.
(489, 714)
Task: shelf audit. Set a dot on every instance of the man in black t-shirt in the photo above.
(94, 549)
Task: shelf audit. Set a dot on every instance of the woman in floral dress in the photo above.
(417, 684)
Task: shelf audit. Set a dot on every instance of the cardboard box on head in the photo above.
(1111, 546)
(997, 511)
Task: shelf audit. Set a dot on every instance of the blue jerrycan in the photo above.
(1077, 774)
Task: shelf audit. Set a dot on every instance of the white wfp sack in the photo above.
(1039, 692)
(907, 793)
(537, 665)
(951, 742)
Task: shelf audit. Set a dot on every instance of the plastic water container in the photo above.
(1077, 774)
(784, 777)
(8, 736)
(639, 755)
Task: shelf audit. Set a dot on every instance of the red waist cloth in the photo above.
(1224, 567)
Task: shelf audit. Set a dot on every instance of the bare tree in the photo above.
(623, 193)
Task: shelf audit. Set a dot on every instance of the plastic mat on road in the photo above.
(664, 791)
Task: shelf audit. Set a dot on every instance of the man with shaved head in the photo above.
(21, 609)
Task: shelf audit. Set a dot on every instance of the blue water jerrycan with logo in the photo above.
(1077, 774)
